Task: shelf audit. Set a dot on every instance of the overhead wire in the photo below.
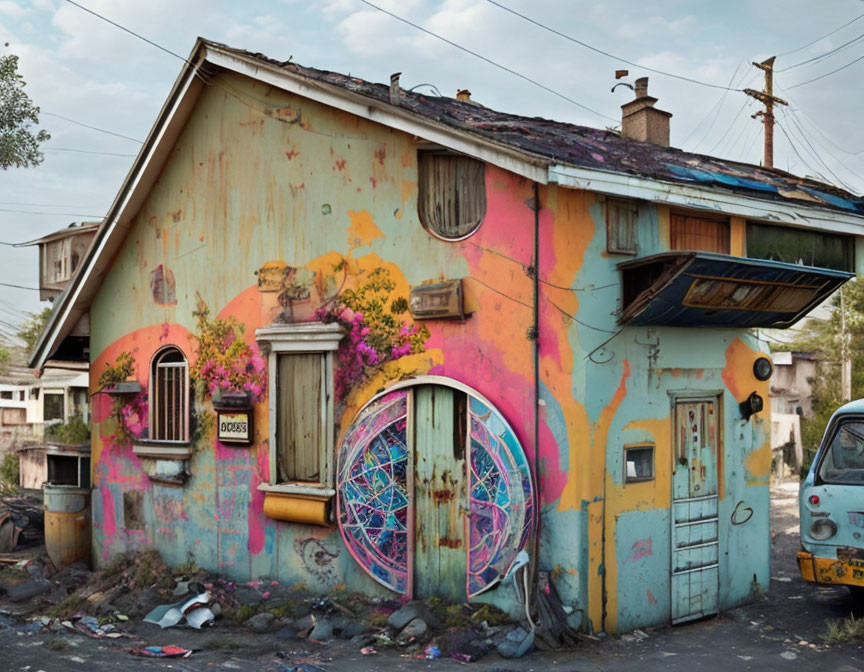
(827, 74)
(92, 128)
(804, 163)
(821, 57)
(815, 153)
(718, 105)
(604, 53)
(82, 151)
(9, 284)
(486, 60)
(818, 39)
(735, 119)
(58, 214)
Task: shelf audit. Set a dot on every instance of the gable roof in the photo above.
(542, 150)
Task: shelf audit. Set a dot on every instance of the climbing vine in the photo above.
(225, 362)
(377, 331)
(130, 415)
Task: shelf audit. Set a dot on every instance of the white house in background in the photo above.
(791, 395)
(59, 255)
(28, 404)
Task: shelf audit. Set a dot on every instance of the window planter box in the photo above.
(162, 450)
(127, 387)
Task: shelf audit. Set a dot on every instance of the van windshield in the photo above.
(844, 458)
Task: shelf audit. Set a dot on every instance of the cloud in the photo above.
(656, 26)
(12, 9)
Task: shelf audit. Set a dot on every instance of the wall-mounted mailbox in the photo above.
(436, 301)
(234, 423)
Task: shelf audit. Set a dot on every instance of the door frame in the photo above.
(452, 383)
(689, 396)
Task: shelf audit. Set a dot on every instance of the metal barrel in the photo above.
(67, 524)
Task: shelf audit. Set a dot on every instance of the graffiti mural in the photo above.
(501, 499)
(375, 500)
(373, 491)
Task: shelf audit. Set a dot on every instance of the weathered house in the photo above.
(464, 334)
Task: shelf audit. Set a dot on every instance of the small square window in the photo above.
(638, 463)
(621, 219)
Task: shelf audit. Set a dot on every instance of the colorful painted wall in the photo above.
(265, 185)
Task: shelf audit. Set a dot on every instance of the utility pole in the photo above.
(767, 97)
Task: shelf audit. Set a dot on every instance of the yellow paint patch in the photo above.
(409, 190)
(362, 230)
(738, 372)
(737, 231)
(643, 496)
(404, 368)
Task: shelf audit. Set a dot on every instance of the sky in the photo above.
(79, 67)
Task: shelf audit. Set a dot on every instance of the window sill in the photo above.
(309, 491)
(162, 450)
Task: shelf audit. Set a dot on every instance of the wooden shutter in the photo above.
(621, 227)
(452, 194)
(699, 233)
(299, 428)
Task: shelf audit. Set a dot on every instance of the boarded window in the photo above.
(452, 194)
(621, 227)
(800, 246)
(53, 409)
(299, 431)
(699, 233)
(169, 408)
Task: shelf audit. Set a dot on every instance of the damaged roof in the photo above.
(581, 146)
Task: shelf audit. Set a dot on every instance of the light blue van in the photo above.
(831, 503)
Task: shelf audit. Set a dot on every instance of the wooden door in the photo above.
(440, 505)
(695, 552)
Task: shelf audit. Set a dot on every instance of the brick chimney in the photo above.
(641, 121)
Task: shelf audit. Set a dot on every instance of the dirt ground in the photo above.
(783, 631)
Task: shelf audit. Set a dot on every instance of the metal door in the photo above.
(440, 505)
(695, 552)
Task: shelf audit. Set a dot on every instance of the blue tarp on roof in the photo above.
(703, 289)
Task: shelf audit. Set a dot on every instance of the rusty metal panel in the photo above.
(298, 431)
(452, 194)
(699, 233)
(440, 505)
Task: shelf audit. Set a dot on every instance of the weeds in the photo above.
(57, 645)
(843, 630)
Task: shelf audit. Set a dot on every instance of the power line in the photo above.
(604, 53)
(731, 126)
(8, 284)
(804, 163)
(126, 30)
(823, 56)
(92, 128)
(849, 23)
(818, 156)
(485, 59)
(39, 205)
(827, 74)
(82, 151)
(59, 214)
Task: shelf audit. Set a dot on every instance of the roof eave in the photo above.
(714, 198)
(71, 305)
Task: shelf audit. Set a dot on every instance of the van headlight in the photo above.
(822, 529)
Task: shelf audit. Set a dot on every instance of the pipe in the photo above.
(535, 336)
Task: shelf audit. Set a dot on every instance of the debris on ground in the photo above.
(194, 610)
(162, 652)
(22, 523)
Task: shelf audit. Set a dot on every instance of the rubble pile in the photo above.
(140, 590)
(22, 523)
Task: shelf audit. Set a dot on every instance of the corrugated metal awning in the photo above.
(703, 289)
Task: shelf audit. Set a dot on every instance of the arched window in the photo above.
(169, 396)
(452, 194)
